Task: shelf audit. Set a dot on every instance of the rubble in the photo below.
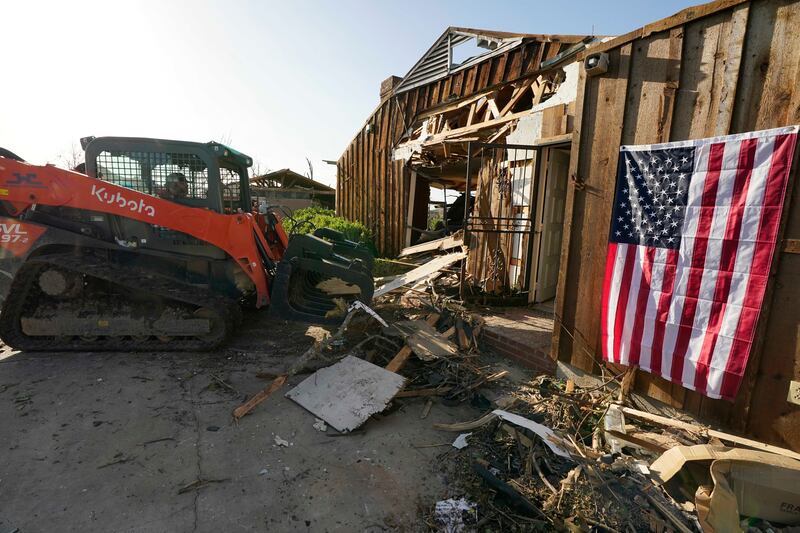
(553, 467)
(545, 454)
(454, 514)
(461, 441)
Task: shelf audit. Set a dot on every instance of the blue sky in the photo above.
(281, 81)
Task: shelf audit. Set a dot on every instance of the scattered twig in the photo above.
(223, 383)
(156, 440)
(200, 483)
(121, 460)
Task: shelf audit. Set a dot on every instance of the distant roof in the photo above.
(287, 178)
(438, 62)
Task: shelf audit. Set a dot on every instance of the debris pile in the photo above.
(411, 343)
(567, 458)
(546, 454)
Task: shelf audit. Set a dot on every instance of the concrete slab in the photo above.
(105, 442)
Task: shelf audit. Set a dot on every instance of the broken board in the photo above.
(346, 394)
(417, 274)
(424, 340)
(443, 244)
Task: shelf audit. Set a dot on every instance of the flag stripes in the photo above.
(688, 312)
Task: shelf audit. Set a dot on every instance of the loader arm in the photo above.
(23, 186)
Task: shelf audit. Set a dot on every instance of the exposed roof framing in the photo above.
(437, 62)
(287, 179)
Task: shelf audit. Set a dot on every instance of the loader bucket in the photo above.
(312, 276)
(343, 246)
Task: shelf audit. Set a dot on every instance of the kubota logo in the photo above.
(118, 199)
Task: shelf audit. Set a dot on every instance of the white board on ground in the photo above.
(417, 274)
(557, 444)
(346, 394)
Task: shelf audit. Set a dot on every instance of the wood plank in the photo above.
(519, 92)
(700, 430)
(768, 96)
(499, 74)
(418, 273)
(458, 84)
(385, 165)
(457, 132)
(471, 115)
(491, 106)
(769, 70)
(730, 74)
(399, 360)
(597, 152)
(445, 243)
(447, 85)
(688, 15)
(654, 80)
(682, 17)
(671, 84)
(251, 404)
(791, 246)
(514, 67)
(417, 393)
(469, 82)
(553, 124)
(483, 75)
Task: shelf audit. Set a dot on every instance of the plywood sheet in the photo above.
(346, 394)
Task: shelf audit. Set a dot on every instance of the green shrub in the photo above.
(310, 218)
(433, 221)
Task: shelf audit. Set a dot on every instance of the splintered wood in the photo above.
(443, 244)
(428, 269)
(425, 341)
(250, 404)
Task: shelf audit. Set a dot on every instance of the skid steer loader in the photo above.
(155, 247)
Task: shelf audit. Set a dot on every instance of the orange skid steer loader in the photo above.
(155, 247)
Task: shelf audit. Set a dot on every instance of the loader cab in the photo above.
(207, 176)
(210, 175)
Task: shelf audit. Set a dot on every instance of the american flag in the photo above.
(692, 236)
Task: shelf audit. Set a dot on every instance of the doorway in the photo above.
(548, 223)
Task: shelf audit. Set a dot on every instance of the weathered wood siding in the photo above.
(371, 187)
(726, 67)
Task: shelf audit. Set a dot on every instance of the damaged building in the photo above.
(530, 128)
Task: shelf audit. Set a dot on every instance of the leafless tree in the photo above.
(310, 173)
(72, 158)
(226, 139)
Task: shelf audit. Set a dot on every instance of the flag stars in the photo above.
(652, 186)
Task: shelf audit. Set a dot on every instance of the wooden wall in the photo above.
(726, 67)
(371, 187)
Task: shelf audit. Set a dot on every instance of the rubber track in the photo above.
(134, 279)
